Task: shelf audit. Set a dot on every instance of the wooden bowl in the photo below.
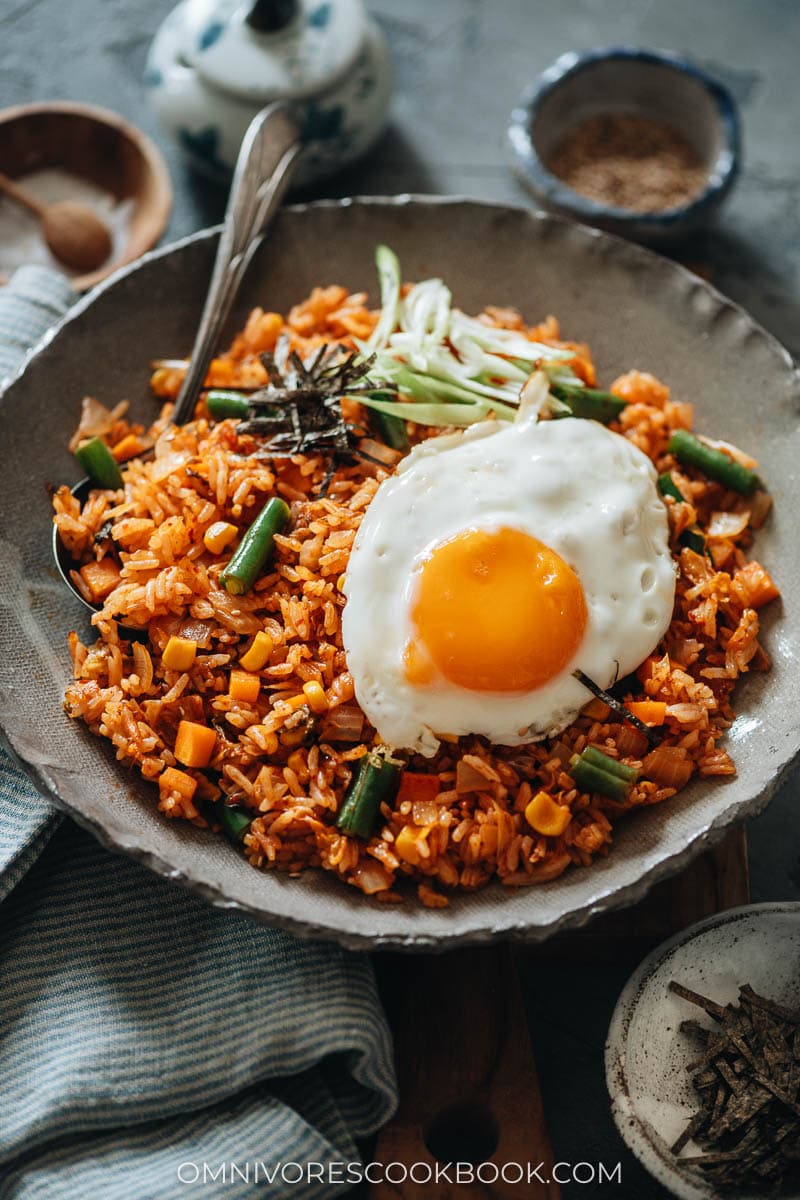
(101, 147)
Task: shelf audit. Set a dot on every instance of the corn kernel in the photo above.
(259, 652)
(340, 582)
(218, 536)
(315, 695)
(406, 845)
(547, 817)
(179, 654)
(270, 743)
(244, 686)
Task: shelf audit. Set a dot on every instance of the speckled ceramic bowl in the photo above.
(634, 309)
(647, 83)
(646, 1054)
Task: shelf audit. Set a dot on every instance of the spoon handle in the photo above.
(20, 196)
(263, 171)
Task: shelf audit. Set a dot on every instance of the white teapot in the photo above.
(215, 63)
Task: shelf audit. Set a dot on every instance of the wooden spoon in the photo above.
(75, 234)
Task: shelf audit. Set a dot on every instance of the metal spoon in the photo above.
(264, 169)
(74, 233)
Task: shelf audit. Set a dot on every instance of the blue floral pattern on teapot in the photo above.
(213, 65)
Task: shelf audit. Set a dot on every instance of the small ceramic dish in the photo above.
(102, 148)
(646, 83)
(646, 1054)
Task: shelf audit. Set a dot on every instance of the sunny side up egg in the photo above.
(494, 564)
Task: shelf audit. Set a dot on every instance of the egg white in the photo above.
(587, 493)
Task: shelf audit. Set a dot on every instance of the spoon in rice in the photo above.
(266, 164)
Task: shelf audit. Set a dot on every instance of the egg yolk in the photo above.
(494, 611)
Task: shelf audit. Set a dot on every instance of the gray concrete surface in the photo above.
(459, 66)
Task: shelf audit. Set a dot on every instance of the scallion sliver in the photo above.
(668, 487)
(235, 822)
(390, 430)
(693, 539)
(255, 548)
(99, 463)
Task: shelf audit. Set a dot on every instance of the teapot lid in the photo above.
(266, 50)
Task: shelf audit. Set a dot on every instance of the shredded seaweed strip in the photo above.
(299, 410)
(747, 1076)
(653, 735)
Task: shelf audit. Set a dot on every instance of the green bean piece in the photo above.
(99, 463)
(388, 429)
(221, 404)
(691, 452)
(255, 548)
(590, 778)
(591, 404)
(604, 762)
(668, 487)
(235, 822)
(376, 780)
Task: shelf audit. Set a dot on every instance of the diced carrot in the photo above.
(244, 686)
(651, 712)
(758, 586)
(220, 373)
(173, 780)
(194, 744)
(101, 578)
(127, 447)
(415, 787)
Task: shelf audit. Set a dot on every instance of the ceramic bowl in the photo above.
(646, 1053)
(653, 314)
(646, 83)
(101, 147)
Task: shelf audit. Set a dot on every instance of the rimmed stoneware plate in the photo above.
(646, 1054)
(634, 308)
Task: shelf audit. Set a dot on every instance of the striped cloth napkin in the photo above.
(152, 1046)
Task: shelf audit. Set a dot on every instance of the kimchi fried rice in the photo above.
(284, 754)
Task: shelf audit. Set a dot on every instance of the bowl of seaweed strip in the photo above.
(703, 1057)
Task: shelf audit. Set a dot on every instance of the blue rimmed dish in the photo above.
(648, 83)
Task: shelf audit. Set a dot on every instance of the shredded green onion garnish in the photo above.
(454, 369)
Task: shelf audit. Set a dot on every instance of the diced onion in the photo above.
(668, 765)
(468, 779)
(344, 723)
(728, 524)
(371, 877)
(196, 631)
